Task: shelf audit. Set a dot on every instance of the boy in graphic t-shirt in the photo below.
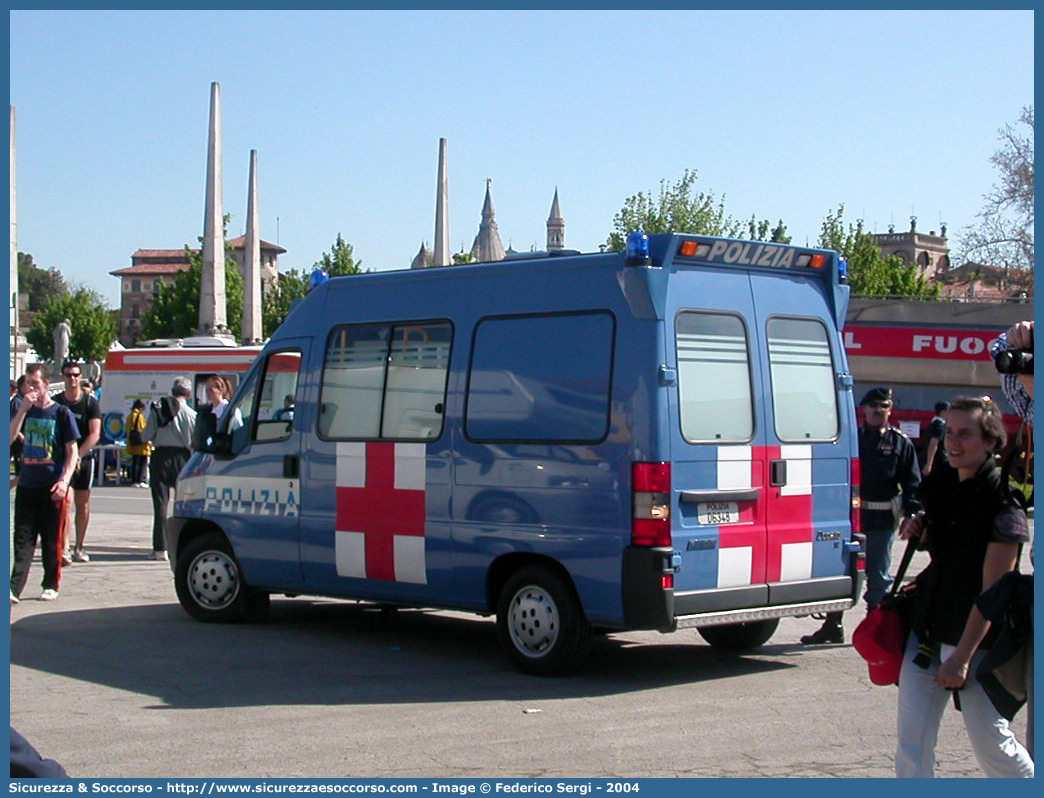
(49, 455)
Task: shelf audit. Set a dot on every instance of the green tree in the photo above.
(294, 284)
(1003, 235)
(277, 300)
(462, 258)
(680, 208)
(174, 312)
(868, 271)
(41, 285)
(93, 326)
(764, 231)
(339, 260)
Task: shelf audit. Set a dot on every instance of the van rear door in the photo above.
(717, 442)
(808, 448)
(760, 466)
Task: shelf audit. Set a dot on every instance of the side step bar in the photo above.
(760, 613)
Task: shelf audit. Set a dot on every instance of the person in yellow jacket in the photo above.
(139, 448)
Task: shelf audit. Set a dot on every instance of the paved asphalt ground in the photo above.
(114, 679)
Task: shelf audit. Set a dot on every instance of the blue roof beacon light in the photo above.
(318, 278)
(637, 250)
(842, 270)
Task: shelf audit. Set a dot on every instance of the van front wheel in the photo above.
(208, 582)
(739, 636)
(540, 622)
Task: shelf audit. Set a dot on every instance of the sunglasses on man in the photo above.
(879, 405)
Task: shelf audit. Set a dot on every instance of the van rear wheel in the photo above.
(209, 585)
(739, 636)
(540, 622)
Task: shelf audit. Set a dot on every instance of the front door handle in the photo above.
(291, 466)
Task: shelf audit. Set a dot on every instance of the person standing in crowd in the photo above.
(889, 478)
(48, 462)
(94, 371)
(218, 392)
(972, 531)
(88, 415)
(16, 444)
(936, 432)
(169, 429)
(286, 412)
(1018, 389)
(16, 402)
(137, 447)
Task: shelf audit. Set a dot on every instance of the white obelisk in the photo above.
(212, 286)
(251, 332)
(441, 257)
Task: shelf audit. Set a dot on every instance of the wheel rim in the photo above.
(533, 621)
(213, 580)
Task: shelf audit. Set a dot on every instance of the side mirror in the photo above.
(206, 438)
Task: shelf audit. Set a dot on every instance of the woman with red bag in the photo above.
(974, 532)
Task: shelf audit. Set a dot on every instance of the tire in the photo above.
(739, 636)
(540, 622)
(208, 583)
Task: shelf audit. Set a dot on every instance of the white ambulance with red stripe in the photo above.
(654, 439)
(148, 373)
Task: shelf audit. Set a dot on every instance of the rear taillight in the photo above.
(651, 496)
(856, 516)
(857, 503)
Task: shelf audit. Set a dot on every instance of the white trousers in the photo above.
(921, 705)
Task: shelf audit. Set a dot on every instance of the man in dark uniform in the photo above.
(889, 477)
(936, 435)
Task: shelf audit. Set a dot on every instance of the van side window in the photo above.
(804, 397)
(541, 378)
(275, 411)
(385, 381)
(255, 414)
(714, 391)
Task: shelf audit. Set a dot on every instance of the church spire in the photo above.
(555, 226)
(488, 246)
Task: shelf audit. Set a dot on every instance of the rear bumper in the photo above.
(648, 605)
(760, 613)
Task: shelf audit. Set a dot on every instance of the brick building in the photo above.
(151, 268)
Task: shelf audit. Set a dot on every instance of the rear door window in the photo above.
(714, 377)
(804, 395)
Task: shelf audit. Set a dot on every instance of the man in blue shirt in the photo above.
(48, 460)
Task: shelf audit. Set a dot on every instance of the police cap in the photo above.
(877, 395)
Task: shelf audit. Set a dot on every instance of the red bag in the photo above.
(880, 639)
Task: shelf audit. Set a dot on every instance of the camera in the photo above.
(1014, 361)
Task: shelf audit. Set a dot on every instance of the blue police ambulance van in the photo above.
(654, 439)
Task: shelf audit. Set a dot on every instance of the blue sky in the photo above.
(785, 113)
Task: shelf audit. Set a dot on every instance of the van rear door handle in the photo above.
(779, 473)
(727, 495)
(291, 466)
